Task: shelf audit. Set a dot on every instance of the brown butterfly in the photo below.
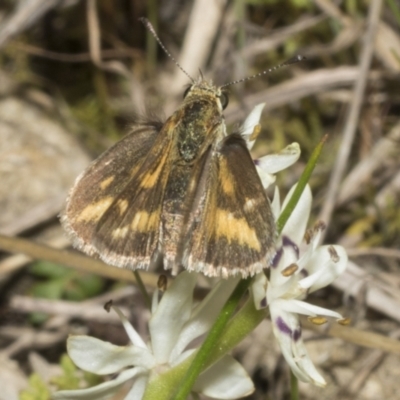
(183, 192)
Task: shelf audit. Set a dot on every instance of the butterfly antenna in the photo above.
(149, 26)
(291, 61)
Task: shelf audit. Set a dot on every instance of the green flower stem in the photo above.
(244, 322)
(304, 178)
(209, 344)
(225, 334)
(294, 387)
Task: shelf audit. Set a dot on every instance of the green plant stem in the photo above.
(304, 178)
(209, 344)
(294, 387)
(142, 289)
(244, 322)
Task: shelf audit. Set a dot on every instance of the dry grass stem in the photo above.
(353, 113)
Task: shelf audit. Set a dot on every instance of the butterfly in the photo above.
(183, 192)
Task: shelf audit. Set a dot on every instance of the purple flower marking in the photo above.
(297, 334)
(304, 273)
(287, 242)
(263, 302)
(283, 327)
(277, 258)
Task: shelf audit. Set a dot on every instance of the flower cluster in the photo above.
(173, 325)
(294, 274)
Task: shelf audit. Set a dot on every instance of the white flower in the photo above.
(270, 164)
(174, 324)
(294, 274)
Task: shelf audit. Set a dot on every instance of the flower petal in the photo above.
(331, 266)
(301, 307)
(306, 366)
(100, 392)
(172, 313)
(295, 227)
(204, 315)
(138, 387)
(301, 365)
(94, 355)
(226, 379)
(276, 203)
(183, 356)
(259, 288)
(266, 179)
(134, 337)
(274, 163)
(249, 124)
(287, 330)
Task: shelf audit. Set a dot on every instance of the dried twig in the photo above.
(357, 336)
(385, 151)
(330, 8)
(354, 113)
(15, 262)
(374, 251)
(279, 37)
(25, 15)
(369, 364)
(295, 89)
(95, 44)
(73, 260)
(27, 338)
(205, 19)
(89, 310)
(75, 57)
(355, 279)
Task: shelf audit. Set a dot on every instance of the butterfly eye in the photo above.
(224, 99)
(187, 90)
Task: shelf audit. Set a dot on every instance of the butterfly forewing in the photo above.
(132, 224)
(107, 197)
(232, 230)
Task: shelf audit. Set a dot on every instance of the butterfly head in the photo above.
(206, 90)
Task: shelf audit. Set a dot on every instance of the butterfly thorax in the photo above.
(199, 116)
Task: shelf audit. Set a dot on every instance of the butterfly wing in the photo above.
(114, 208)
(231, 230)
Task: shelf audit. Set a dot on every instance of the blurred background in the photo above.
(75, 74)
